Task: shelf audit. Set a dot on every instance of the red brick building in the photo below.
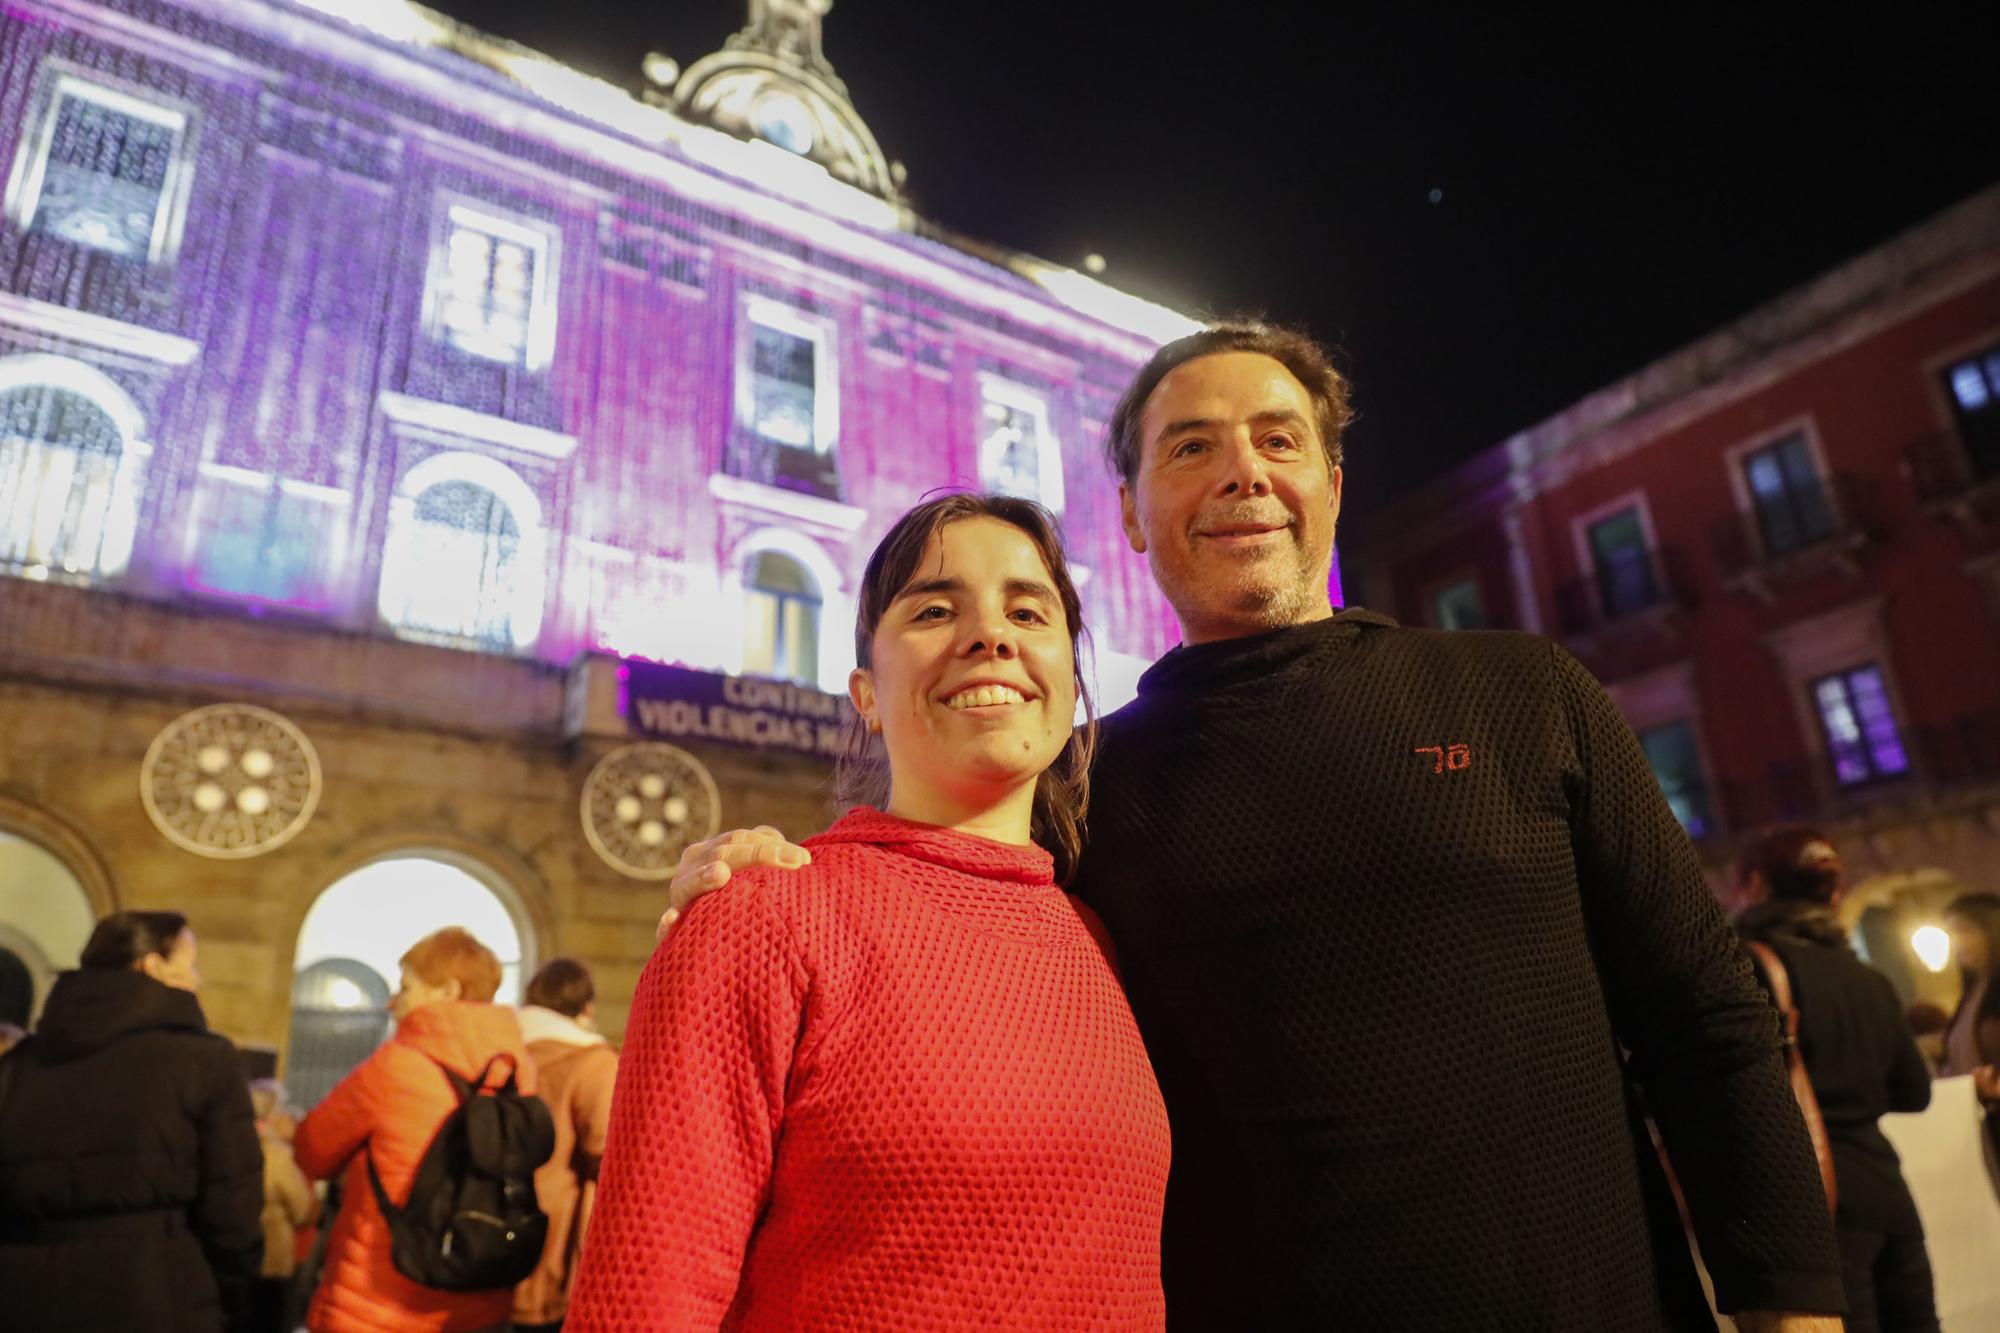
(1779, 547)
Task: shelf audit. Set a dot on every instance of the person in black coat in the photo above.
(131, 1179)
(1862, 1060)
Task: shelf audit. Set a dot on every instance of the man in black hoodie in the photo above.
(131, 1179)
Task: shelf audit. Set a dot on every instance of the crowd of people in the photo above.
(1231, 1011)
(146, 1184)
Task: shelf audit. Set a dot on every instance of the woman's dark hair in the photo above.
(1062, 793)
(123, 938)
(563, 985)
(1982, 912)
(1779, 854)
(1307, 361)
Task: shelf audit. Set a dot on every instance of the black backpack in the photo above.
(471, 1222)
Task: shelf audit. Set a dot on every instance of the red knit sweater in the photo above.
(899, 1089)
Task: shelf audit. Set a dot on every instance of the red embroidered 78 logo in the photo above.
(1452, 757)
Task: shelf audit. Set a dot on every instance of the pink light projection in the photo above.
(440, 343)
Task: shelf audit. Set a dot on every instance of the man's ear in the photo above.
(153, 965)
(1333, 490)
(861, 693)
(1128, 517)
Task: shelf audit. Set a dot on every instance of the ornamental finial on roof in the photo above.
(772, 81)
(788, 29)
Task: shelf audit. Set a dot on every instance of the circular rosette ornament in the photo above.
(643, 804)
(230, 781)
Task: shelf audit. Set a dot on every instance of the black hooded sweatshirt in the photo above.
(1387, 903)
(1859, 1054)
(131, 1178)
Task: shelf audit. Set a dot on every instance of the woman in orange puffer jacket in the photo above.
(391, 1107)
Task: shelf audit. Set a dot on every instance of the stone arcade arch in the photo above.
(52, 890)
(346, 964)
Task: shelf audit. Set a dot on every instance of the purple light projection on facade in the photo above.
(306, 313)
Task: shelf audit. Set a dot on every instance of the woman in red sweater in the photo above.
(901, 1088)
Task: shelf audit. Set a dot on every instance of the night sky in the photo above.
(1491, 215)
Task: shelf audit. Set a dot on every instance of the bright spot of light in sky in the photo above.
(1093, 263)
(1437, 196)
(1933, 946)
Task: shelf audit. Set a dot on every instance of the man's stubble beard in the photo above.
(1262, 605)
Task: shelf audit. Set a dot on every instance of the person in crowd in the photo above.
(17, 991)
(901, 1088)
(289, 1203)
(1388, 904)
(576, 1069)
(1928, 1021)
(1972, 1037)
(1862, 1061)
(389, 1109)
(130, 1179)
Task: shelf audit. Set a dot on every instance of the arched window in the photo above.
(781, 619)
(463, 564)
(61, 457)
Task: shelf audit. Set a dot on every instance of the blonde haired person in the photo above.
(289, 1203)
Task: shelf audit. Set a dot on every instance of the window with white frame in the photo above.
(1788, 497)
(461, 568)
(781, 619)
(105, 170)
(1974, 384)
(1675, 757)
(1626, 580)
(784, 386)
(1863, 741)
(1458, 606)
(492, 291)
(1018, 453)
(62, 461)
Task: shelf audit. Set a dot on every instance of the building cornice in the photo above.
(1930, 263)
(604, 124)
(43, 318)
(829, 514)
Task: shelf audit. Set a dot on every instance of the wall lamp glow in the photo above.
(1933, 946)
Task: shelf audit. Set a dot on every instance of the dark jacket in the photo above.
(1859, 1054)
(130, 1176)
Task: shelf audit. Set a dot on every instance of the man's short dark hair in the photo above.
(1294, 350)
(563, 985)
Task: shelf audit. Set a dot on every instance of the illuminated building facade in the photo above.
(401, 396)
(1779, 547)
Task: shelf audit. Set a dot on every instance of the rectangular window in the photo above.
(1626, 582)
(1676, 761)
(784, 387)
(1018, 454)
(1974, 385)
(492, 299)
(1862, 739)
(1457, 606)
(1787, 495)
(104, 173)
